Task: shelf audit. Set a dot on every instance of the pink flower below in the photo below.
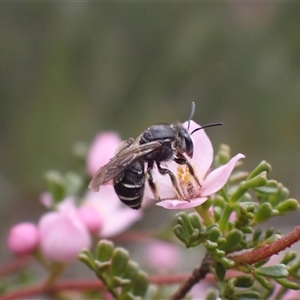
(63, 234)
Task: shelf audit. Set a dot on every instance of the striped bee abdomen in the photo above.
(130, 188)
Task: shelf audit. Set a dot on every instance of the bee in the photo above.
(158, 143)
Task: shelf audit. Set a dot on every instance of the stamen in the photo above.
(189, 186)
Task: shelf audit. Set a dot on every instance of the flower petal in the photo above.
(181, 204)
(102, 149)
(119, 221)
(218, 177)
(203, 150)
(63, 235)
(115, 216)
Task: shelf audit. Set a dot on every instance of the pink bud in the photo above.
(23, 238)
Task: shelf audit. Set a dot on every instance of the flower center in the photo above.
(189, 186)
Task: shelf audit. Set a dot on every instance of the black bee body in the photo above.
(130, 185)
(158, 143)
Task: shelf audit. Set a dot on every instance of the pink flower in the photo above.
(91, 219)
(116, 217)
(62, 233)
(162, 256)
(211, 181)
(102, 149)
(23, 238)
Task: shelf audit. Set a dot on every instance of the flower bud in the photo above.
(23, 238)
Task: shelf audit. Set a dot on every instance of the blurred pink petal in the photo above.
(23, 238)
(102, 150)
(90, 218)
(63, 235)
(116, 217)
(161, 256)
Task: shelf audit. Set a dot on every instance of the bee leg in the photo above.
(174, 181)
(183, 161)
(152, 185)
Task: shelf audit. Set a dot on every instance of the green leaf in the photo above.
(247, 295)
(288, 284)
(86, 257)
(264, 282)
(214, 234)
(105, 250)
(220, 271)
(233, 238)
(276, 271)
(287, 206)
(119, 261)
(210, 245)
(195, 220)
(228, 263)
(258, 181)
(282, 194)
(288, 257)
(181, 234)
(244, 281)
(194, 238)
(262, 167)
(246, 229)
(256, 236)
(183, 219)
(270, 188)
(140, 285)
(264, 212)
(131, 272)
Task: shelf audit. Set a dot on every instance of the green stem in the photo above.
(55, 270)
(225, 217)
(205, 215)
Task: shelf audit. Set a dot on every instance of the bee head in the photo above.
(184, 143)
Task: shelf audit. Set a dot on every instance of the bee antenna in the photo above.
(208, 125)
(191, 114)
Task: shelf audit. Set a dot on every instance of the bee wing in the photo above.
(121, 161)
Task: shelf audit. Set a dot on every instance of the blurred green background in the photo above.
(70, 70)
